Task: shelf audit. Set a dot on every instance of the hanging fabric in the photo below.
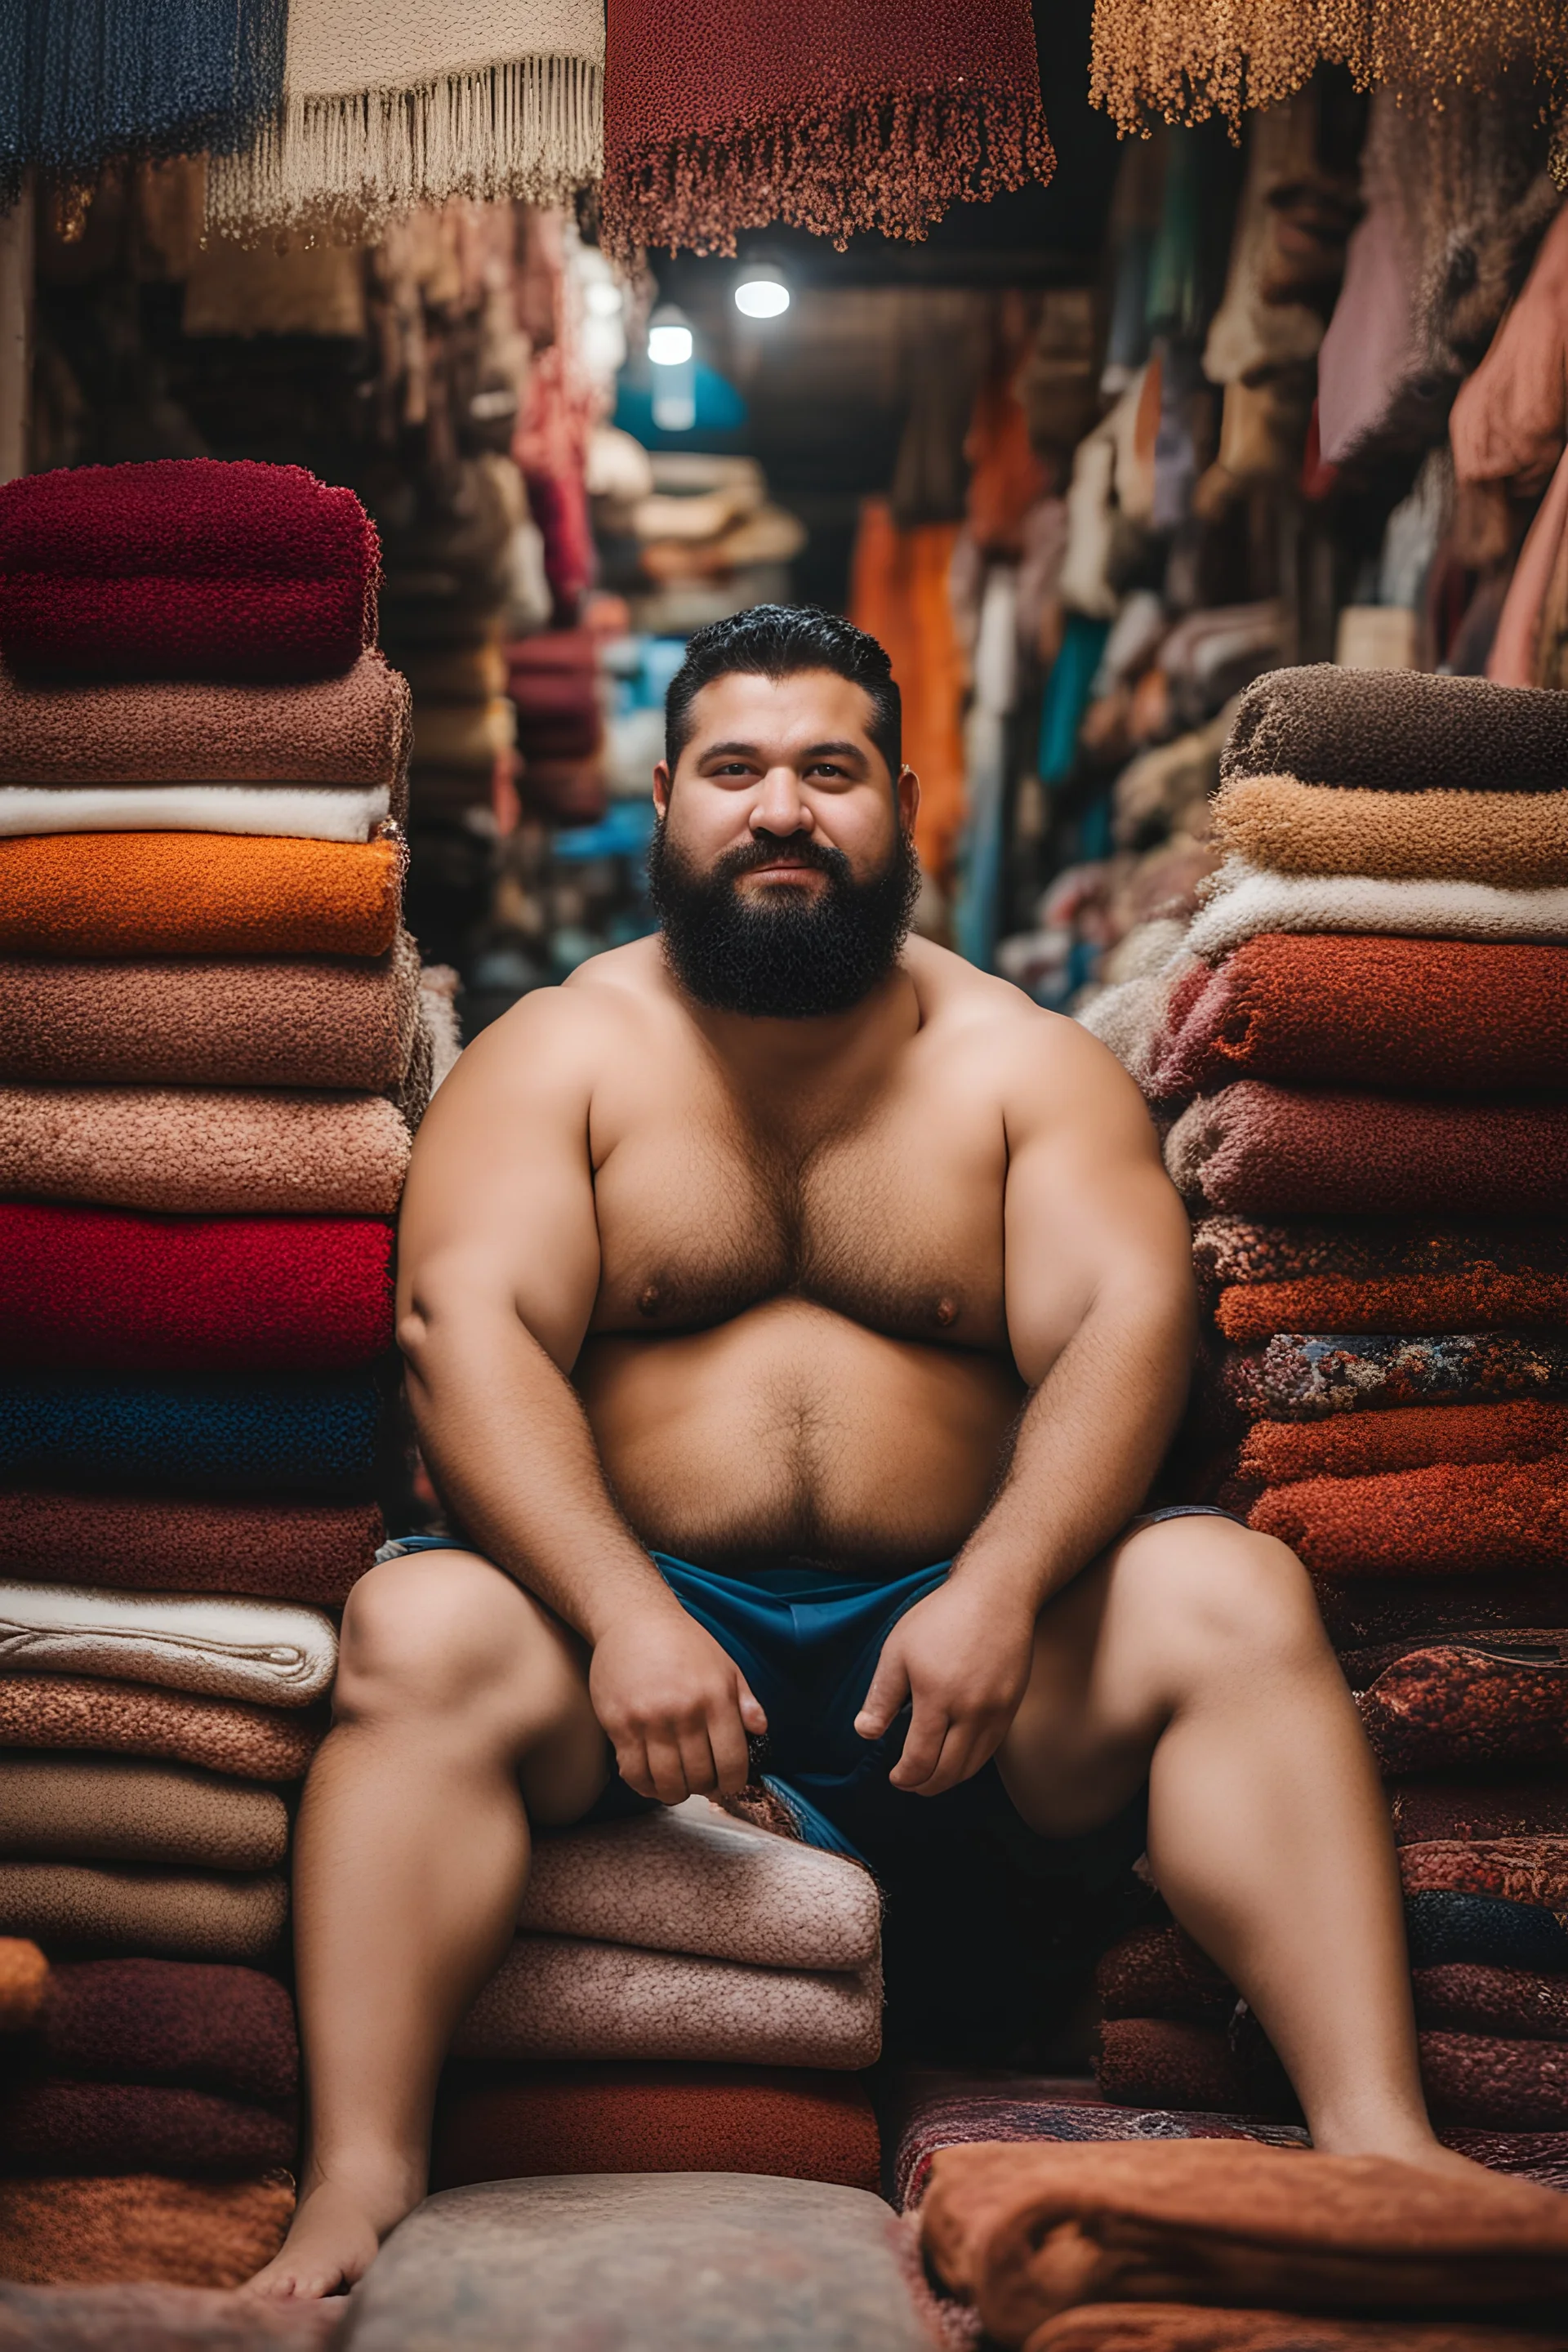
(390, 103)
(725, 115)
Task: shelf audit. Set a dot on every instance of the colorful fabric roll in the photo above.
(1517, 840)
(184, 568)
(184, 2023)
(1474, 1518)
(1441, 1706)
(270, 1652)
(1480, 1300)
(269, 1550)
(1408, 1438)
(1241, 1251)
(306, 812)
(61, 2127)
(1242, 901)
(210, 1433)
(181, 1914)
(135, 894)
(1398, 731)
(96, 2232)
(111, 1809)
(109, 1291)
(108, 1716)
(1306, 1376)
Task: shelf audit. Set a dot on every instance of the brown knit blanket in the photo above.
(1362, 1612)
(71, 1808)
(181, 1915)
(56, 2126)
(1471, 1518)
(1398, 730)
(173, 2021)
(119, 1718)
(139, 2225)
(1439, 1705)
(1229, 1251)
(271, 1551)
(1517, 840)
(1410, 1437)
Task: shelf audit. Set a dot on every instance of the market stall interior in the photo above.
(375, 430)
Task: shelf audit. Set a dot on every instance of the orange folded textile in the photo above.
(1190, 2327)
(1240, 1253)
(130, 894)
(1025, 2232)
(1481, 1300)
(1405, 1437)
(24, 1982)
(1470, 1518)
(139, 2225)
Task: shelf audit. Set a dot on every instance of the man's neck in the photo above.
(830, 1050)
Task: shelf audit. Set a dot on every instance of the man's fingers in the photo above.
(753, 1714)
(667, 1773)
(697, 1765)
(731, 1760)
(963, 1753)
(889, 1689)
(928, 1729)
(631, 1763)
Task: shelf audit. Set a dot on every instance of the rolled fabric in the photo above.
(1191, 2328)
(209, 894)
(158, 1543)
(1481, 1300)
(138, 2225)
(199, 1021)
(1452, 1805)
(111, 1809)
(350, 730)
(1167, 2061)
(53, 2126)
(308, 811)
(1473, 1518)
(109, 1290)
(1510, 2003)
(182, 2022)
(1306, 1376)
(1398, 731)
(1268, 1151)
(557, 1996)
(1362, 1612)
(181, 1914)
(272, 1651)
(201, 1434)
(1526, 1869)
(1517, 840)
(1505, 2083)
(111, 1717)
(184, 568)
(205, 1150)
(1161, 1972)
(1244, 1251)
(1441, 1706)
(1242, 901)
(1474, 1017)
(1408, 1437)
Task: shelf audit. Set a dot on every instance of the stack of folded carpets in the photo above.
(553, 679)
(213, 1047)
(1370, 1035)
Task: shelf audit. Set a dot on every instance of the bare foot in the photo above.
(333, 2241)
(1429, 2156)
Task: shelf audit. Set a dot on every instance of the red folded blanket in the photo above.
(1364, 1613)
(271, 1550)
(1167, 2061)
(1480, 1300)
(1161, 1972)
(1454, 1703)
(1461, 1807)
(1419, 1016)
(1406, 1437)
(1242, 1251)
(1466, 1998)
(188, 2023)
(184, 568)
(1531, 1870)
(1502, 2085)
(68, 2231)
(1468, 1518)
(57, 2126)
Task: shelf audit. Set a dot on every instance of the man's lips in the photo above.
(779, 869)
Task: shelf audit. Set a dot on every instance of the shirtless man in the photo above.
(778, 1260)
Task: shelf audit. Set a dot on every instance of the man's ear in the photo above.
(908, 789)
(662, 781)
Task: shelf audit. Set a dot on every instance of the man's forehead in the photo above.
(804, 706)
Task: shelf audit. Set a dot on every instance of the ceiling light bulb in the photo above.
(668, 337)
(761, 294)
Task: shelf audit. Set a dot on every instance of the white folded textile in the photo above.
(1243, 901)
(274, 1651)
(306, 812)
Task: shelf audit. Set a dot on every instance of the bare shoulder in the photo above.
(563, 1037)
(1044, 1065)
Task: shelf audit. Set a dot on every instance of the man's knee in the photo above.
(434, 1633)
(1211, 1592)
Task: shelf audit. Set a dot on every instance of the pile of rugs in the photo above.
(1364, 1074)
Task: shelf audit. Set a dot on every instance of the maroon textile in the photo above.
(1435, 1706)
(1500, 2084)
(66, 2126)
(272, 1550)
(1465, 1997)
(1168, 2061)
(182, 2023)
(1472, 1519)
(1161, 1972)
(552, 679)
(1463, 1807)
(1364, 1613)
(107, 1288)
(184, 568)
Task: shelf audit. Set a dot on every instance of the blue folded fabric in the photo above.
(1444, 1928)
(305, 1434)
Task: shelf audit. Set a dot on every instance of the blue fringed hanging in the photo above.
(85, 82)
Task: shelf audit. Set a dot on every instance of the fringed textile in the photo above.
(732, 114)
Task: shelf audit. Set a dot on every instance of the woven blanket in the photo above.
(310, 811)
(1304, 1376)
(180, 1914)
(353, 730)
(558, 1997)
(518, 2123)
(273, 1551)
(1267, 1151)
(1398, 730)
(816, 115)
(273, 1652)
(1166, 2062)
(205, 1150)
(62, 2127)
(1528, 1870)
(1362, 1613)
(1240, 901)
(139, 2225)
(184, 568)
(201, 1434)
(120, 1718)
(1450, 1519)
(1473, 1017)
(194, 1022)
(1440, 1705)
(178, 2021)
(1455, 1805)
(1242, 1251)
(1480, 1300)
(1410, 1437)
(1517, 840)
(115, 1809)
(134, 894)
(1506, 2002)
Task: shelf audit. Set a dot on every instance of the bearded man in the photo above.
(796, 1319)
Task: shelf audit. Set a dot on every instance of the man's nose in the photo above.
(780, 806)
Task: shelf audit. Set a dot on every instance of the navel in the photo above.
(647, 1304)
(946, 1312)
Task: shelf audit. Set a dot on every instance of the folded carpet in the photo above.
(1362, 1613)
(108, 1290)
(518, 2123)
(1503, 2083)
(1238, 1252)
(201, 1434)
(178, 1914)
(1305, 1376)
(695, 1880)
(1527, 1870)
(557, 1996)
(1268, 1151)
(306, 812)
(350, 730)
(1443, 1930)
(148, 2318)
(119, 1718)
(129, 2226)
(1517, 840)
(1242, 901)
(1398, 731)
(1474, 1016)
(272, 1552)
(1506, 2003)
(184, 568)
(1161, 1972)
(201, 1151)
(1483, 1298)
(1457, 1805)
(1448, 1704)
(138, 894)
(197, 1021)
(182, 2022)
(1192, 2327)
(54, 2127)
(1169, 2062)
(56, 1808)
(274, 1652)
(1460, 1519)
(1406, 1437)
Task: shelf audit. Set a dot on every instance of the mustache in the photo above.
(765, 848)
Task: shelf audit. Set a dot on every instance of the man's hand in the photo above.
(962, 1656)
(675, 1706)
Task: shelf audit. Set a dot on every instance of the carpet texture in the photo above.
(271, 1551)
(1408, 1438)
(1443, 1806)
(56, 1808)
(306, 812)
(120, 1718)
(103, 1290)
(1465, 1519)
(66, 2232)
(519, 2123)
(1161, 1972)
(171, 2021)
(184, 568)
(1242, 901)
(1398, 731)
(140, 894)
(204, 1433)
(178, 1914)
(1304, 1376)
(1527, 1870)
(146, 2318)
(1239, 1251)
(1517, 840)
(53, 2126)
(272, 1651)
(353, 730)
(1505, 2003)
(1192, 2327)
(1483, 1298)
(1453, 1703)
(1168, 2061)
(1474, 1017)
(1360, 1612)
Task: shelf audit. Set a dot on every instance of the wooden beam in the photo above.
(16, 334)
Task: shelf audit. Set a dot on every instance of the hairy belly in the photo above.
(792, 1429)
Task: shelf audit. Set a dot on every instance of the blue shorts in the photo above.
(984, 1917)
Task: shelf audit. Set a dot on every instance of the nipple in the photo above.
(649, 1302)
(946, 1312)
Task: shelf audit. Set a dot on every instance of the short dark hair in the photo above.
(776, 641)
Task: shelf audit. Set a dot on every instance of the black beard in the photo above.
(788, 955)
